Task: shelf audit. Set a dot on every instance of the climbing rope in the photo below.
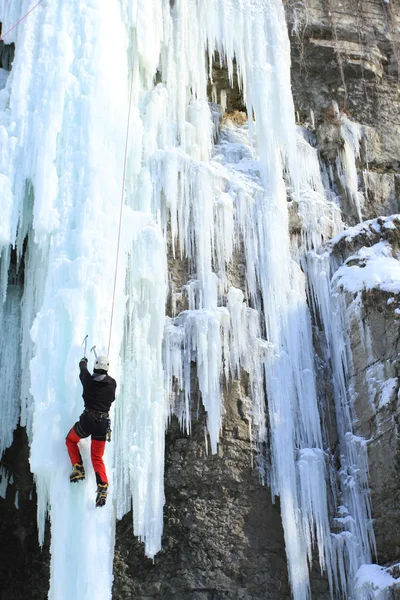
(21, 19)
(120, 211)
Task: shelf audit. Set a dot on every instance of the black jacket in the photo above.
(97, 395)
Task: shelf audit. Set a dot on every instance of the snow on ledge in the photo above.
(370, 227)
(374, 583)
(368, 268)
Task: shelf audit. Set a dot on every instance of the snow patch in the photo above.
(374, 582)
(374, 267)
(387, 391)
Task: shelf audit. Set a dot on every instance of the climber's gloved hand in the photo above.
(84, 359)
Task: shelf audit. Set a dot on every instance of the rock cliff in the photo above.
(373, 319)
(348, 53)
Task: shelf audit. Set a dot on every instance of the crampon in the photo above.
(101, 495)
(78, 473)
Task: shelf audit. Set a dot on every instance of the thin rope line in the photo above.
(21, 19)
(120, 211)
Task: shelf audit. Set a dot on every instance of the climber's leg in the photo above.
(78, 471)
(96, 453)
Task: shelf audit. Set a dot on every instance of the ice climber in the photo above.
(98, 395)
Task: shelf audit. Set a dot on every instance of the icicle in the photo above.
(356, 547)
(10, 323)
(141, 411)
(4, 477)
(320, 216)
(346, 162)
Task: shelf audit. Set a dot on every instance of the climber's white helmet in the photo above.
(102, 363)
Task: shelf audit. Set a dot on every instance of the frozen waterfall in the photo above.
(63, 120)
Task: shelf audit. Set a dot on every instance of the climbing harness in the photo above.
(120, 212)
(98, 417)
(21, 19)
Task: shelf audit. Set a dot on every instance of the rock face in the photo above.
(6, 56)
(23, 565)
(373, 316)
(348, 52)
(222, 535)
(376, 376)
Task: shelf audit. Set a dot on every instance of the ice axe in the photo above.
(85, 343)
(93, 349)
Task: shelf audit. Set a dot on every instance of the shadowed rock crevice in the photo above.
(24, 566)
(7, 52)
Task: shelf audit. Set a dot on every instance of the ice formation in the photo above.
(63, 123)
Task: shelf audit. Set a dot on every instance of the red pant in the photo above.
(96, 454)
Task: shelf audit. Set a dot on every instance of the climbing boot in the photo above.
(78, 472)
(101, 496)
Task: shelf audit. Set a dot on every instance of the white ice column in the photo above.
(141, 410)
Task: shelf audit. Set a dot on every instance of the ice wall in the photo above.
(63, 127)
(62, 130)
